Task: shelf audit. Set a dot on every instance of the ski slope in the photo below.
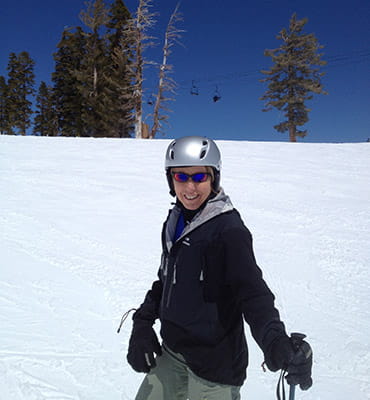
(80, 223)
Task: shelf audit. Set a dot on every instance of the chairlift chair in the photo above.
(216, 96)
(150, 100)
(194, 91)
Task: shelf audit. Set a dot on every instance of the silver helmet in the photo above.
(190, 151)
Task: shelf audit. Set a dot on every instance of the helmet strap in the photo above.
(170, 182)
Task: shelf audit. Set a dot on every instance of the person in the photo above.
(208, 281)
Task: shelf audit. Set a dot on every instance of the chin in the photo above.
(191, 208)
(191, 205)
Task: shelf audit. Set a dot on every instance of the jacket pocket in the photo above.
(212, 273)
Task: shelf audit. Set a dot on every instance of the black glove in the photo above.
(142, 346)
(294, 355)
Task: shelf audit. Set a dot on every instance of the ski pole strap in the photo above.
(280, 389)
(123, 319)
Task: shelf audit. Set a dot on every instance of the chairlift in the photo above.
(150, 100)
(216, 96)
(194, 91)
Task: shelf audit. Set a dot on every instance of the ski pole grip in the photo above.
(300, 347)
(297, 339)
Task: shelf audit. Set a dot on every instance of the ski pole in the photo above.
(297, 339)
(291, 392)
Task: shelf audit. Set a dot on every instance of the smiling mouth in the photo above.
(187, 197)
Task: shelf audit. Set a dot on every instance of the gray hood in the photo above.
(219, 204)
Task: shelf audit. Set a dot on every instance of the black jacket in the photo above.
(208, 280)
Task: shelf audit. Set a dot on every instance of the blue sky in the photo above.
(223, 48)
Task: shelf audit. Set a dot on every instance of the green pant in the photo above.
(171, 379)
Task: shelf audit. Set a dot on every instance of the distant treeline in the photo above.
(93, 85)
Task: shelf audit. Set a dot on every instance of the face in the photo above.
(192, 194)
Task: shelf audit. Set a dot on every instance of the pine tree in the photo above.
(11, 103)
(119, 76)
(95, 67)
(117, 23)
(121, 103)
(92, 85)
(20, 87)
(4, 120)
(68, 100)
(293, 77)
(45, 123)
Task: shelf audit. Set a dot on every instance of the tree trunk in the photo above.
(292, 134)
(159, 98)
(155, 127)
(138, 124)
(139, 90)
(95, 81)
(144, 130)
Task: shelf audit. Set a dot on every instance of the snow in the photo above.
(80, 223)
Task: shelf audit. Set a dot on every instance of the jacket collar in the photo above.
(217, 205)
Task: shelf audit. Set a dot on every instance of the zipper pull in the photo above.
(201, 278)
(165, 266)
(174, 275)
(186, 241)
(162, 261)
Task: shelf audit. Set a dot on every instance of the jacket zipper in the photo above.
(172, 283)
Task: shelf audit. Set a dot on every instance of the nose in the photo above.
(190, 184)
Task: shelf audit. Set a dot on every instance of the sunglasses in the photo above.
(197, 178)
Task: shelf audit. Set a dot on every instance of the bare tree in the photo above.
(166, 83)
(137, 32)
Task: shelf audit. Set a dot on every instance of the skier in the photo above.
(208, 281)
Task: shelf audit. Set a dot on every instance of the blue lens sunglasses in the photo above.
(197, 178)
